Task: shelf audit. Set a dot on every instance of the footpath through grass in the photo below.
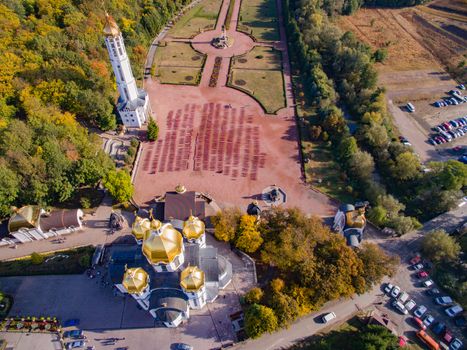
(73, 261)
(200, 18)
(259, 74)
(259, 18)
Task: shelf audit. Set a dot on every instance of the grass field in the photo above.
(178, 63)
(259, 18)
(201, 17)
(259, 73)
(259, 58)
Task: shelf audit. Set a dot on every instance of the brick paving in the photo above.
(218, 140)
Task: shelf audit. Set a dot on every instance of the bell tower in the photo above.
(133, 104)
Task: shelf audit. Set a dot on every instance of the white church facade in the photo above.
(133, 104)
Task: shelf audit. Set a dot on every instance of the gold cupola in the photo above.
(193, 228)
(180, 189)
(135, 280)
(111, 27)
(192, 279)
(155, 224)
(163, 245)
(140, 227)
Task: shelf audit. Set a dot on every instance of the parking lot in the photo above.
(408, 281)
(426, 127)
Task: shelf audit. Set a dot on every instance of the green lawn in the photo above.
(259, 18)
(74, 261)
(178, 63)
(267, 86)
(200, 18)
(260, 57)
(179, 75)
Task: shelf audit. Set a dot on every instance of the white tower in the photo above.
(133, 104)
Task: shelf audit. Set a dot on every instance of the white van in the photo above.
(328, 317)
(410, 107)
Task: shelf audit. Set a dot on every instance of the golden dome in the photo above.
(25, 217)
(140, 227)
(111, 27)
(156, 224)
(193, 228)
(135, 280)
(192, 279)
(180, 189)
(163, 245)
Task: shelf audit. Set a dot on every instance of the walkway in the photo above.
(218, 140)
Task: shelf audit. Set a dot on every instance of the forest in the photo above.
(340, 80)
(346, 7)
(56, 84)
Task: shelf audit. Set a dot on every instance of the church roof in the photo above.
(192, 279)
(135, 280)
(163, 245)
(140, 227)
(111, 27)
(25, 217)
(193, 228)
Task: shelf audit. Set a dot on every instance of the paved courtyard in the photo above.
(218, 140)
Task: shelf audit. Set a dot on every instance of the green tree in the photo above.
(380, 55)
(9, 189)
(377, 215)
(259, 319)
(438, 246)
(376, 263)
(406, 167)
(361, 165)
(119, 185)
(153, 130)
(36, 258)
(248, 237)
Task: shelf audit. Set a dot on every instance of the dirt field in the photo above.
(421, 41)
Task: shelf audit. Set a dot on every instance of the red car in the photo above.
(447, 336)
(415, 260)
(422, 274)
(419, 323)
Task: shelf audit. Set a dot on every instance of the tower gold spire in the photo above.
(111, 27)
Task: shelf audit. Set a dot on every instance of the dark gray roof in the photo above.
(167, 315)
(169, 298)
(182, 205)
(132, 105)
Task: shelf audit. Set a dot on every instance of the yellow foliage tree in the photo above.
(225, 224)
(248, 238)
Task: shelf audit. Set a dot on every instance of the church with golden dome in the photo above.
(169, 269)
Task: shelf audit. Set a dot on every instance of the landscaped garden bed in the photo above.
(215, 72)
(74, 261)
(30, 324)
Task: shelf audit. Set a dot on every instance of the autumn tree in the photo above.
(376, 263)
(259, 319)
(248, 237)
(254, 295)
(225, 224)
(438, 246)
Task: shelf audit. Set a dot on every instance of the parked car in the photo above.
(410, 107)
(447, 337)
(432, 141)
(456, 344)
(454, 310)
(388, 288)
(399, 306)
(418, 266)
(328, 317)
(416, 259)
(75, 344)
(433, 291)
(181, 346)
(76, 334)
(403, 297)
(427, 283)
(410, 304)
(428, 320)
(395, 291)
(419, 311)
(422, 274)
(446, 300)
(71, 322)
(461, 86)
(439, 328)
(419, 323)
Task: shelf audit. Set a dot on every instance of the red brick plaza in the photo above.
(219, 140)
